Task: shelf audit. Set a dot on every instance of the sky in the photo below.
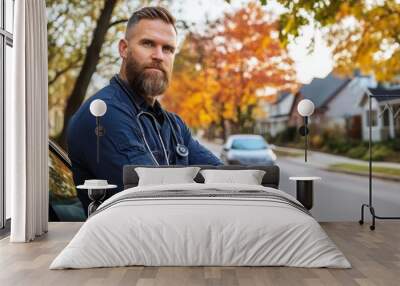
(317, 64)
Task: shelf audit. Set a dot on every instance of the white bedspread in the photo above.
(182, 231)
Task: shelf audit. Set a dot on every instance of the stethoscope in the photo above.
(180, 148)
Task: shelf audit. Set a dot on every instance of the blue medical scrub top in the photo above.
(123, 142)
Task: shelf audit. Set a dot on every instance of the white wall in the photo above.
(376, 134)
(346, 102)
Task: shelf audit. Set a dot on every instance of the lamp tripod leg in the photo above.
(372, 210)
(361, 221)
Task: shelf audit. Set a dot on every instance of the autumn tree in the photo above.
(363, 34)
(231, 63)
(82, 42)
(193, 87)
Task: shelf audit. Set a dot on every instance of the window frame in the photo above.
(6, 39)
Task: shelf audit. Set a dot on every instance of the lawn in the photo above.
(364, 169)
(281, 153)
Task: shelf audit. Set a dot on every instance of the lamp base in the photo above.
(303, 130)
(100, 131)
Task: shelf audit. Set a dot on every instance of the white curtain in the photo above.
(26, 124)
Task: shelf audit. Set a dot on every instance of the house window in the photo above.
(396, 119)
(386, 116)
(374, 119)
(6, 44)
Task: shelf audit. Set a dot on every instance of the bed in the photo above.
(201, 224)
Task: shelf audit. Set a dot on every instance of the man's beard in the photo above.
(146, 83)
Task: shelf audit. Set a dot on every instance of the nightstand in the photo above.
(96, 192)
(304, 190)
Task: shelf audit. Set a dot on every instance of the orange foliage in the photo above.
(218, 76)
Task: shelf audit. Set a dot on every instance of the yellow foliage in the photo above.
(248, 58)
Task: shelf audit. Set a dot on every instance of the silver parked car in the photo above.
(247, 149)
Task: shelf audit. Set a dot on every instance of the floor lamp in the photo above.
(369, 205)
(305, 109)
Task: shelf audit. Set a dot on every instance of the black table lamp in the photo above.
(305, 109)
(98, 108)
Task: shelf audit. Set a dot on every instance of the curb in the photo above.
(377, 176)
(345, 158)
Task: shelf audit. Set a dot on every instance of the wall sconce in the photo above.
(98, 108)
(305, 109)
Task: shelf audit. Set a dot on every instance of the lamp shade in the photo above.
(98, 107)
(305, 107)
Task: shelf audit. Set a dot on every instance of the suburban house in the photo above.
(278, 115)
(340, 104)
(385, 113)
(336, 103)
(343, 110)
(320, 91)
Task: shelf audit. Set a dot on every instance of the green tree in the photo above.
(82, 42)
(364, 35)
(76, 33)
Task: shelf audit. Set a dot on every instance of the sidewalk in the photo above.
(320, 159)
(325, 161)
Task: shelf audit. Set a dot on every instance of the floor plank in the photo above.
(374, 255)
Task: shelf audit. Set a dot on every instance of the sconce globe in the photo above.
(98, 107)
(305, 107)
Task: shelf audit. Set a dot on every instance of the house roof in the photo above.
(381, 95)
(283, 105)
(282, 97)
(321, 90)
(385, 94)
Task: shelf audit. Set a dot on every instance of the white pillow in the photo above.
(249, 177)
(164, 176)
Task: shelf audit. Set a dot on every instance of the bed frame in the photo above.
(270, 179)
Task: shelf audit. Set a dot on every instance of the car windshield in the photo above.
(249, 144)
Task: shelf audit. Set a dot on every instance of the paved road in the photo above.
(337, 197)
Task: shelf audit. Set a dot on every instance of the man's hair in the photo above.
(150, 13)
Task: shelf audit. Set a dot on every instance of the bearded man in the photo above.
(138, 131)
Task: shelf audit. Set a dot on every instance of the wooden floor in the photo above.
(374, 255)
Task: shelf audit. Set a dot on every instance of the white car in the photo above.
(247, 149)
